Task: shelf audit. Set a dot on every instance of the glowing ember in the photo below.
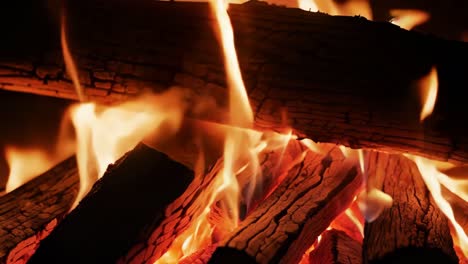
(408, 18)
(428, 90)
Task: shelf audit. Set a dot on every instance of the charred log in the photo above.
(119, 210)
(336, 247)
(341, 79)
(30, 212)
(180, 214)
(413, 229)
(286, 224)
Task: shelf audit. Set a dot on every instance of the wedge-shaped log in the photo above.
(336, 247)
(127, 201)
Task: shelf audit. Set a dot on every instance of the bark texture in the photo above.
(30, 212)
(127, 202)
(413, 229)
(340, 79)
(285, 225)
(336, 247)
(180, 214)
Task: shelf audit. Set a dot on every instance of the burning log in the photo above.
(122, 206)
(30, 212)
(413, 229)
(180, 214)
(336, 247)
(284, 226)
(364, 92)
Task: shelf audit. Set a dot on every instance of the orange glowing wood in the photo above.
(413, 229)
(341, 79)
(286, 224)
(336, 247)
(29, 213)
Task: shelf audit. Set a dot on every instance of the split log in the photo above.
(341, 79)
(119, 210)
(284, 226)
(180, 214)
(413, 229)
(336, 247)
(30, 212)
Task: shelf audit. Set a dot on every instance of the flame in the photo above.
(408, 18)
(105, 133)
(428, 91)
(68, 59)
(434, 179)
(25, 165)
(307, 5)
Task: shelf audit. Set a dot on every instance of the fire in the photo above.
(25, 164)
(408, 18)
(428, 91)
(434, 180)
(344, 8)
(68, 59)
(307, 5)
(105, 133)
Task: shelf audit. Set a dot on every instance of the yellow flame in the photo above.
(434, 179)
(408, 18)
(307, 5)
(428, 91)
(372, 202)
(25, 165)
(105, 133)
(68, 59)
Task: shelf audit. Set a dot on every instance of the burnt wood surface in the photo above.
(413, 229)
(28, 213)
(285, 225)
(336, 247)
(122, 206)
(180, 214)
(341, 79)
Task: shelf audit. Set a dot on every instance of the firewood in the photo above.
(182, 211)
(126, 202)
(413, 229)
(336, 247)
(341, 79)
(30, 212)
(285, 225)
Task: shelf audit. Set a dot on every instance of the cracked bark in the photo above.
(413, 229)
(341, 79)
(29, 213)
(180, 214)
(336, 247)
(118, 212)
(285, 225)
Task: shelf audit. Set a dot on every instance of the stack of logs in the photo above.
(327, 72)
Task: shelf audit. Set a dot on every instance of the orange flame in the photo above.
(104, 134)
(408, 18)
(434, 179)
(68, 59)
(428, 91)
(307, 5)
(25, 165)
